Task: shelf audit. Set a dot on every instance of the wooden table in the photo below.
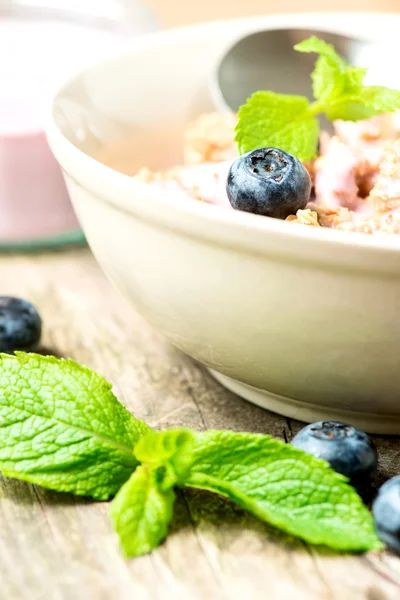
(56, 547)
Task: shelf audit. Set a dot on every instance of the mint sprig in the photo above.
(62, 428)
(289, 122)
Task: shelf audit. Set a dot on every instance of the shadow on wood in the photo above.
(23, 493)
(207, 510)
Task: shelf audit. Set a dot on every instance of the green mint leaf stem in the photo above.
(61, 427)
(316, 108)
(171, 451)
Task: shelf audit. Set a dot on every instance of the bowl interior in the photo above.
(146, 96)
(146, 110)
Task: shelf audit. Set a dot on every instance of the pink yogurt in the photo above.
(37, 55)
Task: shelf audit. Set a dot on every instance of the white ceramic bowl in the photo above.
(303, 321)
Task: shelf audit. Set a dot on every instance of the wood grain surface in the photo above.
(56, 547)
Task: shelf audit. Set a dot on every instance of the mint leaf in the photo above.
(365, 102)
(380, 98)
(170, 449)
(354, 78)
(321, 47)
(61, 427)
(327, 81)
(349, 108)
(284, 486)
(328, 75)
(142, 509)
(141, 512)
(277, 120)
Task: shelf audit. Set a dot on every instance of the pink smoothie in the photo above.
(36, 56)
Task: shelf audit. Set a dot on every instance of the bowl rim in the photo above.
(160, 204)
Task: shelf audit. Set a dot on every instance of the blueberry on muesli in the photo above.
(268, 182)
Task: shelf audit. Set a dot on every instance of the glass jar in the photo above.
(41, 43)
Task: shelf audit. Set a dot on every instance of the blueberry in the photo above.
(268, 182)
(386, 511)
(347, 449)
(20, 325)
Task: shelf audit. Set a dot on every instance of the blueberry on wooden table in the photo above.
(386, 511)
(268, 182)
(20, 325)
(347, 449)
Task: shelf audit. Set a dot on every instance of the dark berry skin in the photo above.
(268, 182)
(347, 449)
(386, 511)
(20, 325)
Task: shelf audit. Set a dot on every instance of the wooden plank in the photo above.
(56, 547)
